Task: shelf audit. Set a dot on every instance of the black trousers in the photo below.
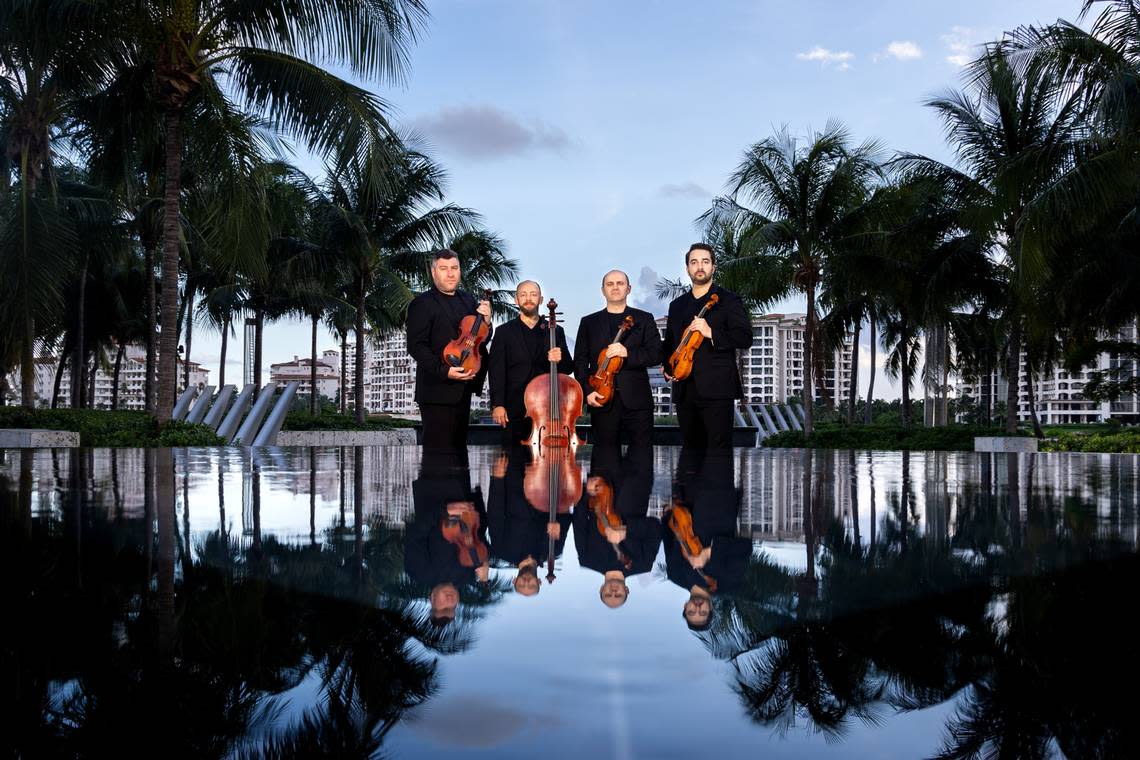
(705, 423)
(517, 431)
(445, 425)
(607, 424)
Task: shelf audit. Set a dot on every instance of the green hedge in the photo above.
(327, 421)
(98, 427)
(883, 437)
(1126, 442)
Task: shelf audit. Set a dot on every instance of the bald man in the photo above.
(630, 411)
(520, 352)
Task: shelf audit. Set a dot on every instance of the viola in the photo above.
(602, 381)
(464, 350)
(680, 364)
(602, 504)
(553, 401)
(462, 530)
(681, 523)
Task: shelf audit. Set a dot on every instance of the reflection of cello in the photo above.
(464, 350)
(681, 523)
(602, 504)
(602, 381)
(553, 480)
(680, 364)
(462, 530)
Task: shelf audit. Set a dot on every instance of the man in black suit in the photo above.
(705, 398)
(443, 392)
(520, 352)
(631, 408)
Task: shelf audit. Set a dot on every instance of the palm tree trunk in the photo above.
(313, 371)
(168, 338)
(91, 379)
(871, 383)
(905, 372)
(115, 382)
(28, 365)
(1012, 371)
(58, 379)
(359, 379)
(79, 360)
(344, 372)
(222, 364)
(258, 332)
(944, 409)
(1032, 402)
(809, 375)
(853, 388)
(151, 297)
(189, 335)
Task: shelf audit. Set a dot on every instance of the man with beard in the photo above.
(520, 352)
(704, 399)
(631, 408)
(442, 392)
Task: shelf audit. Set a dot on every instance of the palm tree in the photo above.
(791, 207)
(270, 56)
(1030, 170)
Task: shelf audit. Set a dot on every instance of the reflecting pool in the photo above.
(360, 602)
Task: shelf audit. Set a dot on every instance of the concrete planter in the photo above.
(398, 437)
(1005, 445)
(20, 438)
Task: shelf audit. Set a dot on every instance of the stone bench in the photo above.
(30, 438)
(397, 437)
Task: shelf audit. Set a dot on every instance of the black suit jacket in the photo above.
(631, 478)
(715, 374)
(428, 557)
(643, 344)
(430, 328)
(512, 366)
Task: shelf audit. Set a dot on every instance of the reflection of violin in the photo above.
(602, 504)
(464, 350)
(681, 523)
(680, 364)
(602, 381)
(553, 401)
(462, 530)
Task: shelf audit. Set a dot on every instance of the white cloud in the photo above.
(901, 50)
(962, 43)
(842, 58)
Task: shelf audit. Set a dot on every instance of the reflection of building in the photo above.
(1057, 394)
(300, 370)
(132, 378)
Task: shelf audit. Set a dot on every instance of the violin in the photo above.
(680, 364)
(462, 530)
(602, 381)
(602, 504)
(553, 401)
(681, 523)
(464, 350)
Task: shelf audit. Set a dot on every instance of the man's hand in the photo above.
(616, 349)
(499, 468)
(483, 573)
(484, 308)
(554, 530)
(459, 373)
(702, 327)
(554, 355)
(668, 377)
(615, 535)
(499, 415)
(594, 399)
(459, 507)
(701, 559)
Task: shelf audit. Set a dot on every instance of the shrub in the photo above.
(883, 437)
(302, 420)
(117, 429)
(1125, 442)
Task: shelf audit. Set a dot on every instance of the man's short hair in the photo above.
(612, 271)
(700, 247)
(525, 282)
(443, 253)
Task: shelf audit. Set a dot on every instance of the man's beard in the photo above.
(531, 312)
(701, 279)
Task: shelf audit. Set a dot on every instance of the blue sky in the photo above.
(590, 134)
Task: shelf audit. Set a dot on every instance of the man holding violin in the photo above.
(443, 392)
(704, 398)
(630, 408)
(519, 353)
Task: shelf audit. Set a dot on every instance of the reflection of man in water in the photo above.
(625, 544)
(442, 492)
(520, 533)
(704, 487)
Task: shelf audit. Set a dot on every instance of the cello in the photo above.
(680, 364)
(553, 480)
(464, 350)
(602, 381)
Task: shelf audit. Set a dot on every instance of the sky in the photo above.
(590, 134)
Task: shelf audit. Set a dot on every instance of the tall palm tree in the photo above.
(792, 206)
(270, 55)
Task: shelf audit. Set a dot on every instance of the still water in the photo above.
(359, 602)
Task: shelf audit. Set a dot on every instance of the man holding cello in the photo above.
(705, 328)
(612, 352)
(443, 391)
